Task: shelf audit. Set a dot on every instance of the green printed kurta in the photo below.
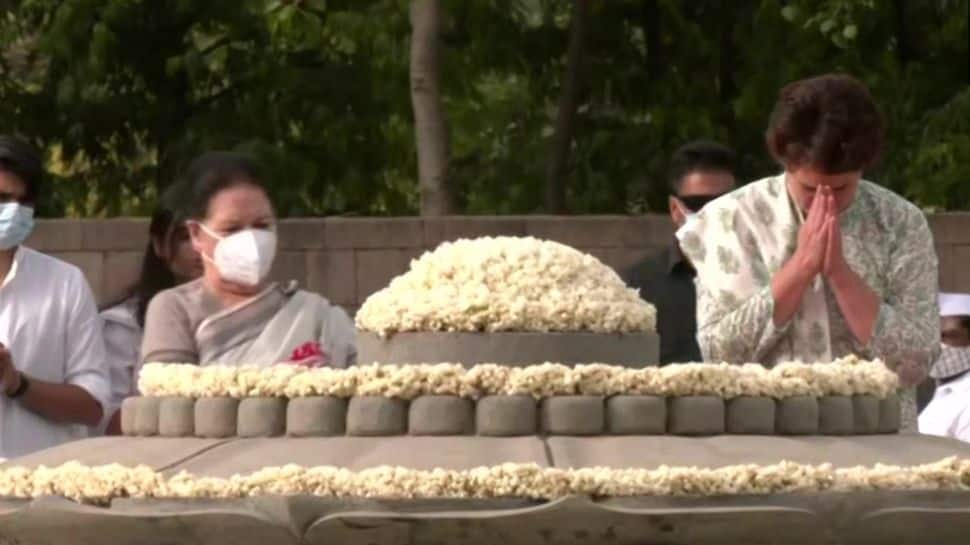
(740, 241)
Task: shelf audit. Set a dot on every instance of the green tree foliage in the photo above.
(121, 93)
(125, 92)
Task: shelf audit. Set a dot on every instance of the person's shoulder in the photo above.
(891, 208)
(51, 275)
(192, 289)
(47, 266)
(312, 298)
(178, 297)
(307, 298)
(122, 314)
(887, 198)
(647, 268)
(745, 196)
(769, 185)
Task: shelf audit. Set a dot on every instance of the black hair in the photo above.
(828, 122)
(695, 156)
(156, 274)
(213, 172)
(21, 159)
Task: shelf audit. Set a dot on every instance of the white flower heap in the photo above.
(506, 284)
(103, 483)
(847, 376)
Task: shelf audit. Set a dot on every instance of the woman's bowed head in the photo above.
(825, 131)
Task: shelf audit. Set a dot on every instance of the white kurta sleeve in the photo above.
(86, 361)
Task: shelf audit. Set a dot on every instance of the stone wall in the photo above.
(346, 259)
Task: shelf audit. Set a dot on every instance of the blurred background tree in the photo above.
(540, 113)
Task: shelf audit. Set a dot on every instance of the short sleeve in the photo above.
(168, 335)
(86, 365)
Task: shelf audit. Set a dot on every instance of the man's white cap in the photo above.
(954, 304)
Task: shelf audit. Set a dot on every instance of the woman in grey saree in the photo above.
(233, 315)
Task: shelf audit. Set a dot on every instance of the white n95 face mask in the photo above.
(244, 257)
(689, 221)
(690, 218)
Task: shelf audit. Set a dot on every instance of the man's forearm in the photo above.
(858, 303)
(62, 403)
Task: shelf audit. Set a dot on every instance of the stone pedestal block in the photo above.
(510, 348)
(836, 415)
(750, 415)
(146, 416)
(866, 414)
(797, 416)
(636, 415)
(176, 417)
(318, 416)
(261, 417)
(216, 417)
(441, 415)
(889, 414)
(502, 415)
(128, 408)
(376, 415)
(573, 415)
(695, 415)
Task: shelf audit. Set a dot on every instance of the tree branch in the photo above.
(214, 45)
(215, 97)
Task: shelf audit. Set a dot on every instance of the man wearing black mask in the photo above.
(699, 172)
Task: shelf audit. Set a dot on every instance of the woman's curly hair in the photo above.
(827, 122)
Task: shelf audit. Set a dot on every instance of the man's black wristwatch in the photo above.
(22, 389)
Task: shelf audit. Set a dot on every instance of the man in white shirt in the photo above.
(948, 414)
(53, 375)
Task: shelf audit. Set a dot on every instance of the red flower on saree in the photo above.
(309, 354)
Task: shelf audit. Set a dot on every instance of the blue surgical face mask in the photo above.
(16, 223)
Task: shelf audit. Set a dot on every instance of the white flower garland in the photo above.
(848, 376)
(506, 284)
(100, 484)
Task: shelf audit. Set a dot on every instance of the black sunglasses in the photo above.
(695, 202)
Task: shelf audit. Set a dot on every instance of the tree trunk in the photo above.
(562, 139)
(430, 130)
